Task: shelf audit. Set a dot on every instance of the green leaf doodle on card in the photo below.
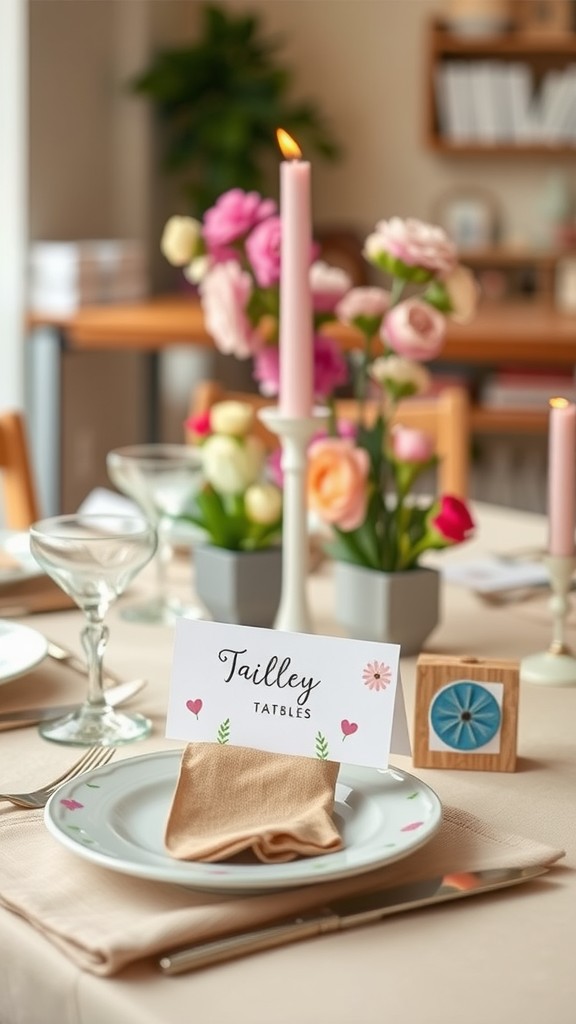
(321, 746)
(224, 731)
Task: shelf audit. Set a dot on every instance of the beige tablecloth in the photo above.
(501, 958)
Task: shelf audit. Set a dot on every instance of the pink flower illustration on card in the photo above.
(194, 706)
(377, 675)
(348, 728)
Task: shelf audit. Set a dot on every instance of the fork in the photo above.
(92, 758)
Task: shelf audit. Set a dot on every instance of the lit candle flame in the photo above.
(559, 403)
(290, 149)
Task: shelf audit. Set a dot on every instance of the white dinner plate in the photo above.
(16, 544)
(21, 649)
(115, 816)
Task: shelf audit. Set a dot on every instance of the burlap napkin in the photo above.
(103, 920)
(230, 799)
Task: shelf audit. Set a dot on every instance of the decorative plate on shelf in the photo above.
(115, 816)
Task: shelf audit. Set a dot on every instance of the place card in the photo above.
(287, 693)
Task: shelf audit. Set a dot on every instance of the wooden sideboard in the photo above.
(519, 333)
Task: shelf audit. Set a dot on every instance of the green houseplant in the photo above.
(220, 101)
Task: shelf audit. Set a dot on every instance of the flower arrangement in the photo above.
(363, 486)
(233, 256)
(362, 476)
(237, 508)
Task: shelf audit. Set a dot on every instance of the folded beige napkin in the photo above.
(33, 594)
(103, 920)
(51, 682)
(230, 799)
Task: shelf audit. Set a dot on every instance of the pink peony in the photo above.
(414, 243)
(452, 520)
(263, 251)
(411, 445)
(233, 215)
(330, 368)
(414, 329)
(225, 292)
(338, 482)
(329, 285)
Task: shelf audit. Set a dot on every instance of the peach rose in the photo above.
(337, 482)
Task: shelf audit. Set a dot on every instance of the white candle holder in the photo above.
(294, 433)
(557, 665)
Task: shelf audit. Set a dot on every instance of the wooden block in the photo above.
(466, 713)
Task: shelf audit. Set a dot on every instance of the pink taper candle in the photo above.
(561, 476)
(296, 337)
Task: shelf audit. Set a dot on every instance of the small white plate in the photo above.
(16, 544)
(115, 816)
(21, 649)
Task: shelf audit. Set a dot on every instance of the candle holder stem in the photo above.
(294, 433)
(557, 665)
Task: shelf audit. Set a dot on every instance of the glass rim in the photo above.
(41, 527)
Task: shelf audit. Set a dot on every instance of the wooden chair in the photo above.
(21, 507)
(446, 417)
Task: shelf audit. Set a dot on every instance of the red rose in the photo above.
(453, 520)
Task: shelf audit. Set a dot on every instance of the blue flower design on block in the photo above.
(465, 715)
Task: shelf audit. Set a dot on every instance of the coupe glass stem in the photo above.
(94, 639)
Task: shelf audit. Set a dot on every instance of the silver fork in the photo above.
(92, 758)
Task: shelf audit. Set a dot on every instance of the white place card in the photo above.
(291, 693)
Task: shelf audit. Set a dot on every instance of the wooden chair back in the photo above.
(21, 507)
(445, 417)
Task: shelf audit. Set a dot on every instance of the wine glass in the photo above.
(162, 479)
(93, 558)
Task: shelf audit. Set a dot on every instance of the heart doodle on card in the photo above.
(348, 728)
(195, 706)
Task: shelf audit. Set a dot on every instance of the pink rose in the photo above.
(263, 251)
(225, 291)
(267, 370)
(329, 285)
(411, 445)
(414, 329)
(363, 307)
(338, 482)
(233, 215)
(451, 518)
(414, 243)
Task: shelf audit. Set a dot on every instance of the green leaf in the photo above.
(223, 734)
(321, 746)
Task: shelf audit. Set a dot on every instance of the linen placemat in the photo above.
(231, 799)
(104, 920)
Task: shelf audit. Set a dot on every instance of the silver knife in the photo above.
(349, 912)
(30, 716)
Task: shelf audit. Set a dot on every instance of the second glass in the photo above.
(162, 479)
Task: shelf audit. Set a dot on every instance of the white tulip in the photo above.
(233, 418)
(181, 240)
(263, 504)
(231, 465)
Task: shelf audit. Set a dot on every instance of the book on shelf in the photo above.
(527, 389)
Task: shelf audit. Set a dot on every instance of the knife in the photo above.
(31, 716)
(349, 912)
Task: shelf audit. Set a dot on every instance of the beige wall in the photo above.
(361, 60)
